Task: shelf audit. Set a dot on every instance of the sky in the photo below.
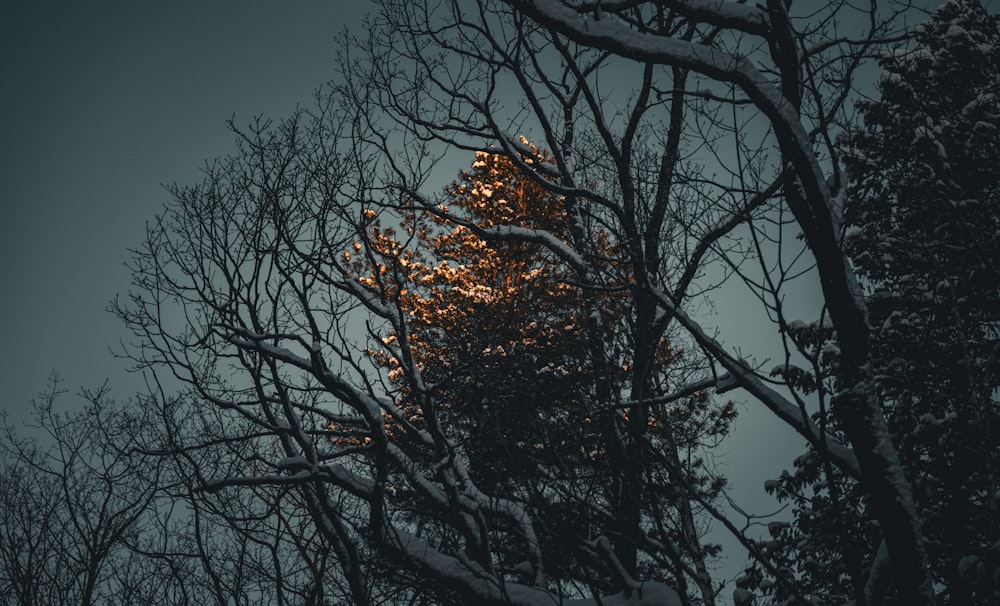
(102, 103)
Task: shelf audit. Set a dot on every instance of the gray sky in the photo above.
(104, 101)
(101, 103)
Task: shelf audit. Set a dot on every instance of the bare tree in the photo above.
(770, 69)
(788, 92)
(100, 506)
(698, 135)
(71, 503)
(266, 336)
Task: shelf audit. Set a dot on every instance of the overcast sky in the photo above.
(102, 102)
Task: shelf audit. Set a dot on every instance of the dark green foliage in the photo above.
(922, 228)
(925, 205)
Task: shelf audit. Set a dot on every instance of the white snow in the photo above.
(786, 410)
(560, 248)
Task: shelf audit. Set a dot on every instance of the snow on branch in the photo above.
(477, 584)
(521, 146)
(536, 236)
(416, 476)
(257, 343)
(512, 233)
(617, 37)
(335, 384)
(750, 19)
(723, 383)
(369, 298)
(781, 406)
(333, 474)
(620, 39)
(514, 511)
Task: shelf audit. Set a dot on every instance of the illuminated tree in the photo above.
(497, 329)
(483, 310)
(699, 136)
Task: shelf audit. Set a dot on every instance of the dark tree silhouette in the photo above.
(497, 328)
(311, 435)
(922, 229)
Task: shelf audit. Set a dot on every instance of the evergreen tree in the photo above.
(926, 208)
(498, 331)
(923, 230)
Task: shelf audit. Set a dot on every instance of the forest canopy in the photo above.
(369, 388)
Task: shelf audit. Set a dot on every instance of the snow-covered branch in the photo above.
(746, 377)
